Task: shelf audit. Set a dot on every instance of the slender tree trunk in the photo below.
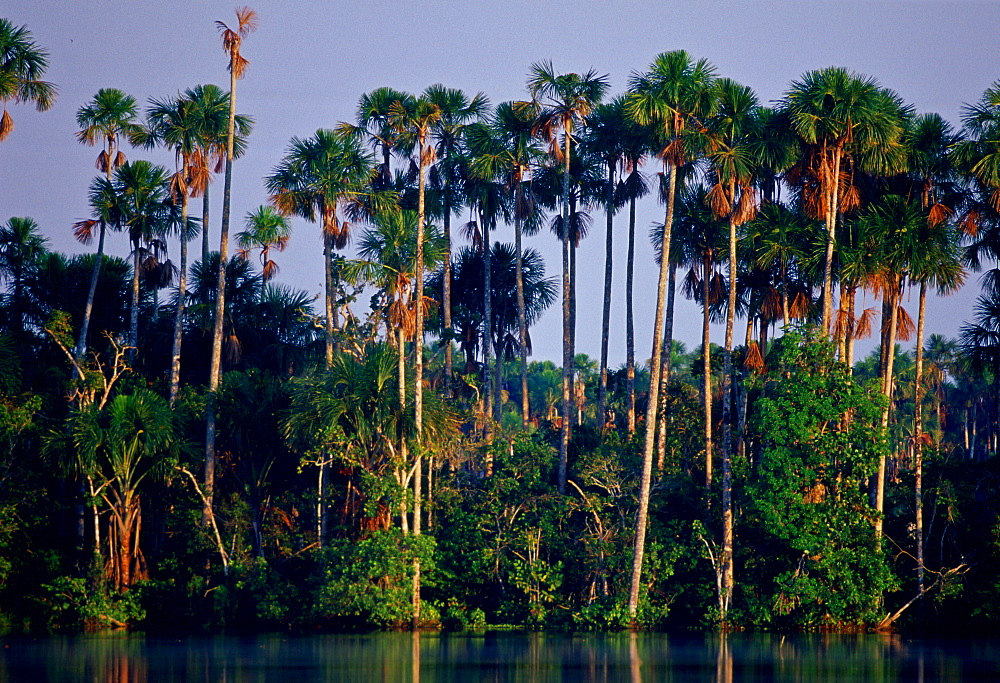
(889, 355)
(833, 178)
(573, 375)
(522, 321)
(567, 369)
(706, 378)
(446, 295)
(726, 557)
(215, 369)
(205, 215)
(487, 323)
(654, 389)
(133, 324)
(418, 381)
(849, 342)
(328, 296)
(602, 389)
(175, 355)
(630, 319)
(666, 363)
(81, 346)
(918, 445)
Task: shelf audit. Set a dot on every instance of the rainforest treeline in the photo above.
(188, 444)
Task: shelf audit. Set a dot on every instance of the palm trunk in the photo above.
(205, 215)
(602, 389)
(726, 558)
(849, 342)
(81, 346)
(567, 364)
(418, 381)
(666, 363)
(175, 356)
(487, 322)
(328, 296)
(630, 319)
(215, 369)
(831, 227)
(522, 322)
(446, 294)
(889, 354)
(654, 390)
(133, 324)
(574, 417)
(918, 446)
(706, 356)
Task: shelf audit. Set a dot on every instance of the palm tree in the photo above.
(413, 119)
(564, 102)
(504, 149)
(457, 112)
(145, 206)
(212, 111)
(729, 145)
(844, 121)
(266, 229)
(232, 40)
(605, 140)
(177, 123)
(675, 91)
(22, 65)
(127, 441)
(110, 116)
(319, 179)
(930, 140)
(375, 125)
(22, 246)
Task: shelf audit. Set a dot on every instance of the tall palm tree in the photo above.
(232, 40)
(674, 91)
(109, 117)
(212, 111)
(177, 123)
(564, 101)
(457, 113)
(319, 179)
(930, 141)
(505, 150)
(414, 118)
(730, 142)
(844, 121)
(606, 141)
(636, 147)
(22, 65)
(145, 206)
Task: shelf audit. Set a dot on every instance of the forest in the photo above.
(188, 444)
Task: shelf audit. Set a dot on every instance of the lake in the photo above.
(390, 657)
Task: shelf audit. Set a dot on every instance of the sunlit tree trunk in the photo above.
(630, 320)
(654, 389)
(602, 389)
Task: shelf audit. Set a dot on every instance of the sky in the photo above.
(310, 60)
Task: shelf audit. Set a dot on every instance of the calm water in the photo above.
(499, 657)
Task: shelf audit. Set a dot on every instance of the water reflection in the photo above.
(432, 658)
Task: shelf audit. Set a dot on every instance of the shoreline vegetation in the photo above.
(189, 445)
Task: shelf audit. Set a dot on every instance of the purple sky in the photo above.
(310, 61)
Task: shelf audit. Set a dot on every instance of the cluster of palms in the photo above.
(775, 213)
